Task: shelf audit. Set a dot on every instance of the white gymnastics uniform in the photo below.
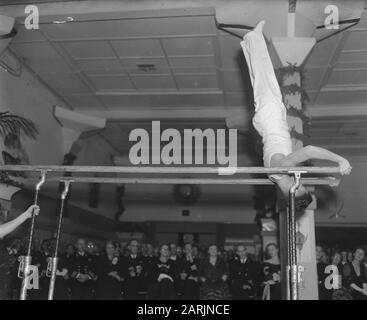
(270, 119)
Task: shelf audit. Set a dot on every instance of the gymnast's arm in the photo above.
(10, 226)
(312, 152)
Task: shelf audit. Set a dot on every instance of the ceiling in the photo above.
(177, 63)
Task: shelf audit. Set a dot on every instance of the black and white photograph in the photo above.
(179, 155)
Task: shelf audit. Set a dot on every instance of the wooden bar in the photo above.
(168, 169)
(306, 181)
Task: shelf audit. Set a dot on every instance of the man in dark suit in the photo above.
(82, 273)
(244, 275)
(188, 270)
(135, 270)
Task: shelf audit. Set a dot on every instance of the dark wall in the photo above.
(343, 237)
(77, 221)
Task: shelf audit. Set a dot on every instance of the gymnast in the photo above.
(270, 120)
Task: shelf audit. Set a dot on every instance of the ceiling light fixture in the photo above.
(68, 19)
(146, 67)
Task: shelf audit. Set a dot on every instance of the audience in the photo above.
(348, 280)
(137, 270)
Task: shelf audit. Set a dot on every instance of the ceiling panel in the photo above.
(353, 57)
(323, 51)
(66, 83)
(159, 63)
(41, 57)
(357, 40)
(326, 125)
(348, 133)
(351, 65)
(83, 102)
(194, 70)
(138, 48)
(342, 98)
(100, 66)
(28, 35)
(234, 81)
(197, 82)
(357, 125)
(36, 51)
(193, 62)
(349, 78)
(230, 51)
(114, 102)
(188, 46)
(89, 49)
(239, 99)
(112, 83)
(49, 66)
(154, 82)
(313, 78)
(319, 140)
(348, 139)
(312, 95)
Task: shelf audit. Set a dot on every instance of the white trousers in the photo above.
(270, 119)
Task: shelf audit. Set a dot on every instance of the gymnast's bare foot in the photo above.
(259, 27)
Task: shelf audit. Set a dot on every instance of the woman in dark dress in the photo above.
(214, 275)
(354, 276)
(110, 274)
(162, 276)
(271, 272)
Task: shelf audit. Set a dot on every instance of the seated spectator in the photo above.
(109, 272)
(214, 275)
(135, 270)
(82, 273)
(344, 257)
(354, 275)
(188, 269)
(162, 276)
(338, 291)
(271, 273)
(324, 293)
(244, 275)
(179, 251)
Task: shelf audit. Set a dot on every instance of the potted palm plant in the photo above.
(11, 126)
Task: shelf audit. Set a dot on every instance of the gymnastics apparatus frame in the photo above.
(182, 172)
